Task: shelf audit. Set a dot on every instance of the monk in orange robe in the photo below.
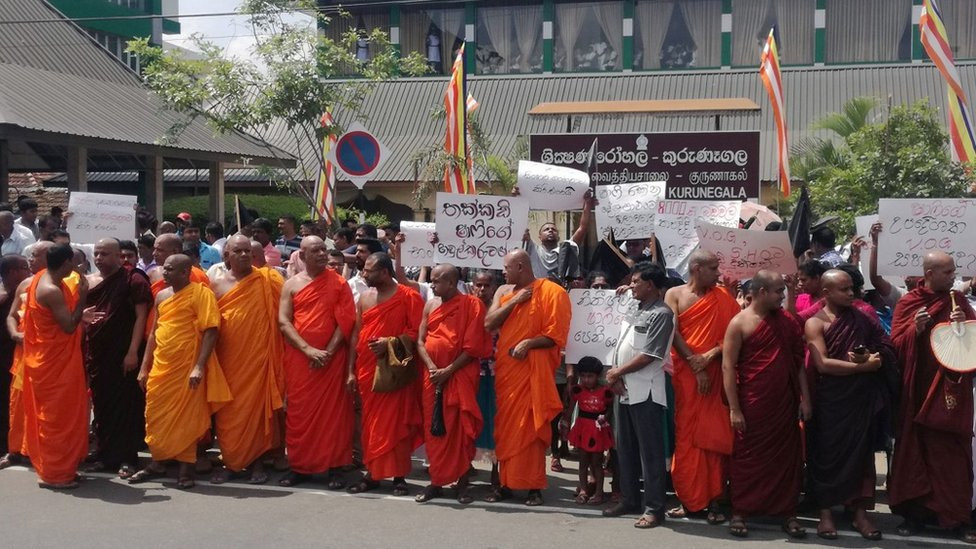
(249, 350)
(182, 378)
(392, 421)
(317, 315)
(55, 392)
(452, 342)
(703, 435)
(532, 318)
(167, 245)
(16, 437)
(13, 270)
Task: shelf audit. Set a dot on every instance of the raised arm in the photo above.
(579, 236)
(880, 284)
(401, 273)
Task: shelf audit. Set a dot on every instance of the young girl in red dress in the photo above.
(591, 433)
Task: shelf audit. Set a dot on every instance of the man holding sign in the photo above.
(555, 259)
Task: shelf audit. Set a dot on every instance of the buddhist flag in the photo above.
(457, 175)
(325, 188)
(772, 80)
(935, 40)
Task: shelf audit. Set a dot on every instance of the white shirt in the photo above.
(645, 330)
(20, 238)
(358, 286)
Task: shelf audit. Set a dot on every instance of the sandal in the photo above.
(363, 485)
(499, 494)
(597, 499)
(678, 512)
(463, 497)
(221, 475)
(400, 488)
(258, 478)
(126, 471)
(967, 535)
(793, 529)
(556, 466)
(646, 521)
(581, 498)
(715, 516)
(908, 528)
(429, 493)
(185, 483)
(292, 479)
(11, 459)
(70, 485)
(828, 535)
(738, 528)
(146, 475)
(335, 483)
(534, 499)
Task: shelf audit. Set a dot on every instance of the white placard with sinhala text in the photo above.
(912, 227)
(478, 230)
(595, 325)
(628, 209)
(742, 252)
(95, 216)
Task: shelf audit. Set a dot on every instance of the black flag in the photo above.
(799, 227)
(591, 162)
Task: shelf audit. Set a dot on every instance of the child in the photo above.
(591, 433)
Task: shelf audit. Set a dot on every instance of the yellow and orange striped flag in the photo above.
(457, 177)
(325, 187)
(772, 80)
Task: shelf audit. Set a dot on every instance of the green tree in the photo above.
(813, 157)
(279, 95)
(903, 156)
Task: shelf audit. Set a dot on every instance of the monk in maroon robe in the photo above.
(112, 358)
(932, 469)
(762, 373)
(857, 381)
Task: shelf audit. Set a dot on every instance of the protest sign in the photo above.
(417, 251)
(742, 253)
(912, 227)
(551, 188)
(675, 222)
(595, 325)
(628, 209)
(478, 230)
(862, 225)
(95, 216)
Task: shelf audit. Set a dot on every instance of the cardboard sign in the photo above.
(95, 216)
(478, 230)
(742, 253)
(417, 251)
(595, 326)
(675, 222)
(551, 188)
(912, 227)
(628, 209)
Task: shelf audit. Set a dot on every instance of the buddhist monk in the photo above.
(55, 394)
(932, 468)
(249, 349)
(16, 441)
(532, 318)
(258, 258)
(183, 381)
(766, 386)
(703, 437)
(112, 359)
(13, 270)
(316, 316)
(392, 421)
(451, 343)
(854, 360)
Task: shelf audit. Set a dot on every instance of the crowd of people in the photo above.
(318, 353)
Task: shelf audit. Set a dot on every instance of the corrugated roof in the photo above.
(399, 111)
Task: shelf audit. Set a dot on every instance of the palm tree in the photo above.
(814, 157)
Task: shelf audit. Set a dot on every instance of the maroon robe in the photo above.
(767, 458)
(118, 401)
(850, 421)
(932, 469)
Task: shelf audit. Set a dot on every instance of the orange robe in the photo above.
(55, 394)
(196, 275)
(320, 420)
(452, 328)
(526, 389)
(392, 422)
(703, 434)
(16, 437)
(249, 351)
(176, 415)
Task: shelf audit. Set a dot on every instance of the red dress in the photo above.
(591, 432)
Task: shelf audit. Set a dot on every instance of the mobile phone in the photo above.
(860, 350)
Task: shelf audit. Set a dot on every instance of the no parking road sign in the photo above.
(358, 154)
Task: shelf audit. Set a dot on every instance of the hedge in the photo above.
(269, 206)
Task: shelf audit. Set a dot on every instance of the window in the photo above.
(364, 23)
(793, 21)
(867, 30)
(588, 36)
(509, 39)
(670, 34)
(959, 17)
(437, 34)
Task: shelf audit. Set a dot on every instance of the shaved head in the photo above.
(768, 289)
(835, 278)
(38, 256)
(940, 271)
(937, 259)
(518, 268)
(838, 289)
(764, 280)
(703, 269)
(109, 244)
(447, 271)
(237, 254)
(176, 271)
(108, 256)
(180, 262)
(169, 241)
(257, 254)
(701, 257)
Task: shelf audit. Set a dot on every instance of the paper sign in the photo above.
(595, 325)
(863, 227)
(551, 188)
(675, 222)
(95, 216)
(478, 230)
(912, 227)
(742, 253)
(417, 251)
(628, 209)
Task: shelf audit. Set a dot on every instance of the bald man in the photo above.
(932, 467)
(13, 270)
(703, 437)
(258, 259)
(112, 357)
(249, 350)
(181, 376)
(15, 237)
(765, 384)
(854, 361)
(532, 317)
(451, 342)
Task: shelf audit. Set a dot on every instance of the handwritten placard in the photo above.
(95, 216)
(551, 188)
(742, 253)
(628, 209)
(595, 325)
(417, 251)
(478, 230)
(912, 227)
(675, 222)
